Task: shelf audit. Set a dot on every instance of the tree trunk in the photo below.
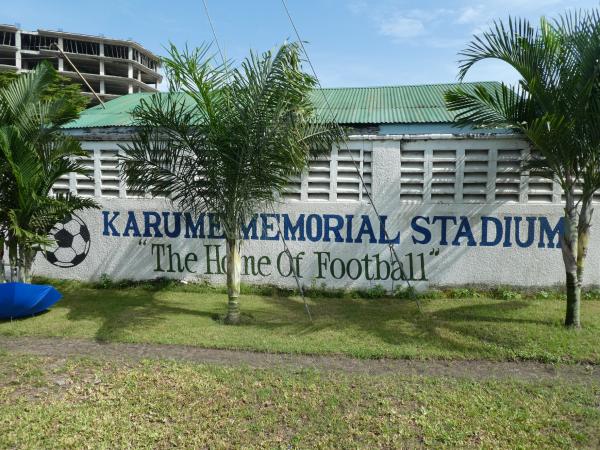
(583, 238)
(572, 318)
(2, 273)
(27, 257)
(234, 272)
(569, 252)
(13, 258)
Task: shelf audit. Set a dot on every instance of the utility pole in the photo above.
(78, 73)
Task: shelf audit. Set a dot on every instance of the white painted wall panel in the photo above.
(463, 211)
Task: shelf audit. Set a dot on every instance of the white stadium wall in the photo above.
(457, 210)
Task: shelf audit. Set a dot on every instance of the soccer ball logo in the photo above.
(71, 242)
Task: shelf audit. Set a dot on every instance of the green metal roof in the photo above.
(393, 104)
(116, 114)
(363, 105)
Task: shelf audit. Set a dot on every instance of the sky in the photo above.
(350, 42)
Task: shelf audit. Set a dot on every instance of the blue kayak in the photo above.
(22, 299)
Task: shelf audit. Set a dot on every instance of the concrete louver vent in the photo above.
(85, 185)
(348, 184)
(475, 178)
(578, 192)
(293, 190)
(412, 175)
(109, 173)
(443, 175)
(539, 189)
(62, 186)
(367, 171)
(465, 171)
(430, 171)
(336, 177)
(319, 179)
(508, 175)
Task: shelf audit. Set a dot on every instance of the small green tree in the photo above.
(58, 88)
(34, 154)
(227, 141)
(556, 106)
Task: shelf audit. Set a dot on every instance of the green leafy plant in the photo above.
(592, 294)
(508, 294)
(462, 292)
(377, 291)
(556, 106)
(406, 293)
(58, 87)
(226, 140)
(34, 154)
(105, 281)
(543, 295)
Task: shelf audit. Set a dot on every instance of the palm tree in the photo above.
(227, 140)
(34, 154)
(4, 196)
(556, 106)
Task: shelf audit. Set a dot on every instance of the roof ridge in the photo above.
(408, 85)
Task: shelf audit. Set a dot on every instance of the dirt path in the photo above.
(479, 370)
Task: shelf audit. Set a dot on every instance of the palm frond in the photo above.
(505, 107)
(229, 139)
(557, 102)
(34, 154)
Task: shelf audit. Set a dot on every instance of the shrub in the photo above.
(508, 294)
(463, 293)
(105, 282)
(405, 293)
(377, 291)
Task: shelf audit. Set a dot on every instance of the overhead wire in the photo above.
(214, 33)
(287, 251)
(285, 246)
(356, 167)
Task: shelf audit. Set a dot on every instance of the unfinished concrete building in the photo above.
(112, 67)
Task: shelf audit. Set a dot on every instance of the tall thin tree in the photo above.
(556, 106)
(226, 140)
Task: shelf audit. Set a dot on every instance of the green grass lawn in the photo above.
(467, 328)
(53, 403)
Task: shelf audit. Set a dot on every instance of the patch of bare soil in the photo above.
(477, 370)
